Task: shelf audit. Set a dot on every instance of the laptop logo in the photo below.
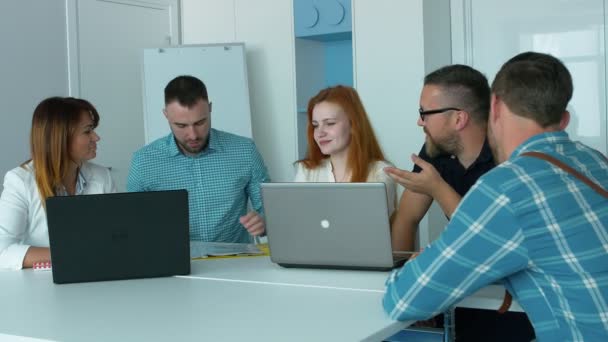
(325, 224)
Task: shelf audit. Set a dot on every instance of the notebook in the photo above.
(329, 225)
(118, 236)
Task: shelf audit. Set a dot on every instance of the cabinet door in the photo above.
(322, 19)
(486, 33)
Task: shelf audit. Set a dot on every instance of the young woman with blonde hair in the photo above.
(342, 146)
(62, 142)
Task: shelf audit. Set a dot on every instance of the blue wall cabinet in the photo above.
(323, 20)
(324, 52)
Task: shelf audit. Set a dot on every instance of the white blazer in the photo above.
(22, 216)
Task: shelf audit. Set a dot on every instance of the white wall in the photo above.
(437, 53)
(33, 66)
(396, 44)
(266, 28)
(487, 33)
(218, 25)
(389, 69)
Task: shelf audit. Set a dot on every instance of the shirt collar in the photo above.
(213, 145)
(81, 184)
(536, 141)
(326, 163)
(172, 147)
(485, 155)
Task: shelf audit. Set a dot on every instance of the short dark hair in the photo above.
(187, 90)
(466, 87)
(535, 85)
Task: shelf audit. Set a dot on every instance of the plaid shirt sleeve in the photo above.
(482, 244)
(259, 174)
(134, 176)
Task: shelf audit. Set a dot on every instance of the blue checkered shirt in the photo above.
(219, 181)
(532, 226)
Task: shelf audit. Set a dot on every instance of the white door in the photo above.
(111, 39)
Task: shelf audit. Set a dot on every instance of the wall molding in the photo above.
(462, 31)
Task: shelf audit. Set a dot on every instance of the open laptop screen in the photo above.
(118, 236)
(328, 225)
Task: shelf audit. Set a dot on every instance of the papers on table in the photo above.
(201, 249)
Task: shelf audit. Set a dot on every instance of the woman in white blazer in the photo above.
(342, 146)
(62, 142)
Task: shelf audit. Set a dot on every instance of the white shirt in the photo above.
(22, 216)
(324, 173)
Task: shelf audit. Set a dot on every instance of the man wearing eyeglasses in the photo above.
(454, 107)
(537, 223)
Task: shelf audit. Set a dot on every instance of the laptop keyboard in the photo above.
(400, 257)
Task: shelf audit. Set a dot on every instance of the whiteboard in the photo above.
(221, 67)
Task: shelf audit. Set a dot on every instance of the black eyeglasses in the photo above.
(434, 111)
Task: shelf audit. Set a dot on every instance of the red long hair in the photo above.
(364, 148)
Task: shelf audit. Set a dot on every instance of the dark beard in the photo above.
(432, 149)
(450, 146)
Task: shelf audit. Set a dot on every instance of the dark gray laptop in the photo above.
(119, 236)
(329, 225)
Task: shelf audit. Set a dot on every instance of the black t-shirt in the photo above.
(450, 169)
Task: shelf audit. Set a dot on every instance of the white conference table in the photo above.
(489, 298)
(236, 299)
(241, 299)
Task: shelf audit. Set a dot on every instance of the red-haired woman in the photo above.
(62, 142)
(342, 146)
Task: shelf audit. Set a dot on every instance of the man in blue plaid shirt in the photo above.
(527, 223)
(221, 171)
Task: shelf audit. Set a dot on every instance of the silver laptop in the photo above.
(329, 225)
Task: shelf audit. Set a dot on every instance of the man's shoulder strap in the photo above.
(568, 169)
(506, 303)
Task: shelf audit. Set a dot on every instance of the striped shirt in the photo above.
(219, 180)
(532, 226)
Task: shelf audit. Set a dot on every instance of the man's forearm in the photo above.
(447, 198)
(403, 236)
